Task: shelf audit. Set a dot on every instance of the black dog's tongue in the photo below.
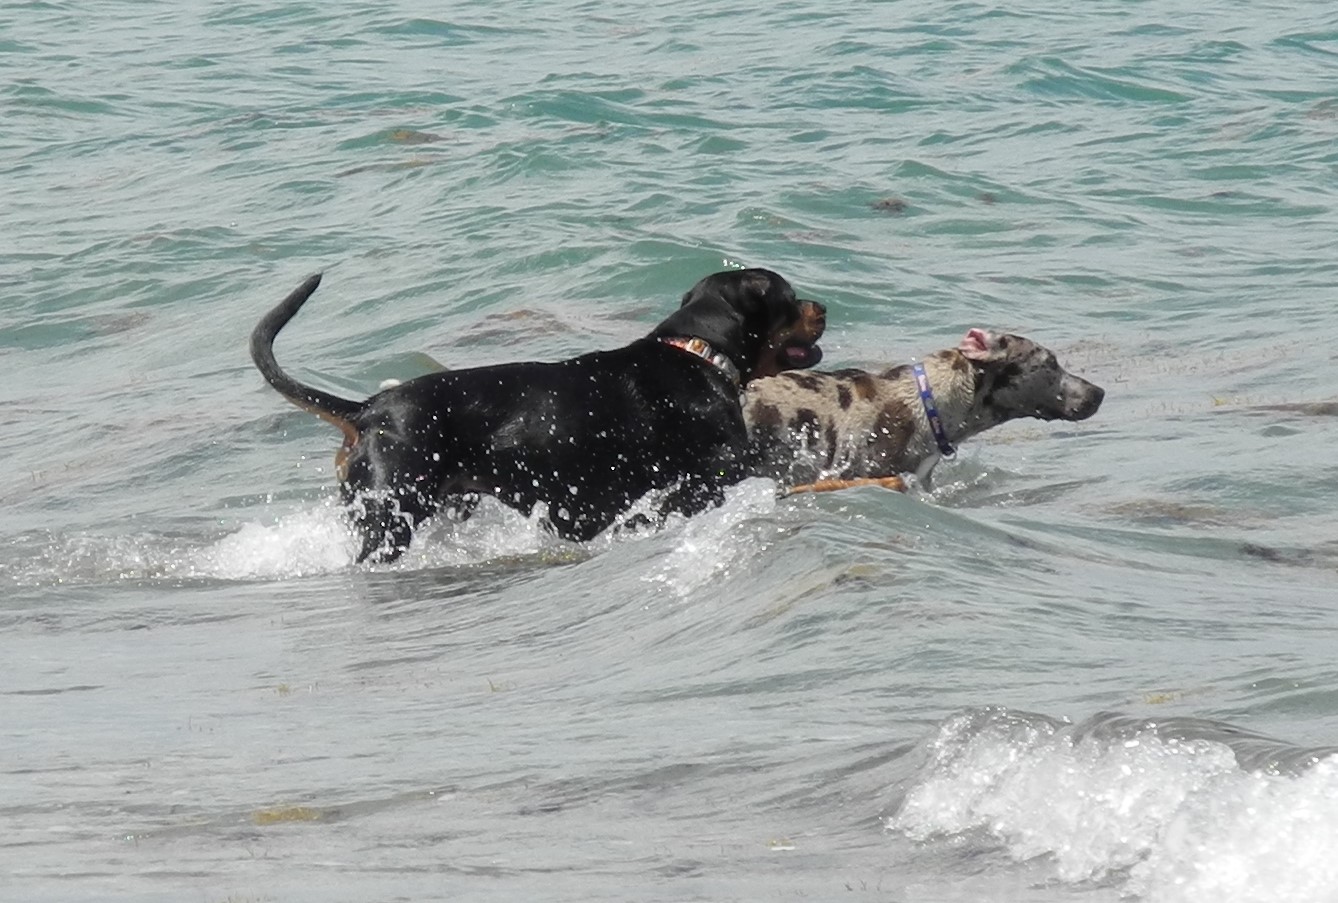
(802, 356)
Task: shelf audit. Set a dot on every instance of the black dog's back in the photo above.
(589, 435)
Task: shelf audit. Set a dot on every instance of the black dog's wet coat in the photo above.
(585, 437)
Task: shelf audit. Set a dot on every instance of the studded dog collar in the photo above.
(702, 349)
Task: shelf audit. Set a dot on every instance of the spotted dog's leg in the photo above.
(896, 483)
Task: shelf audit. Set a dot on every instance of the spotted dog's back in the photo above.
(852, 425)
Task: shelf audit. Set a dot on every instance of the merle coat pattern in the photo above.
(846, 427)
(581, 439)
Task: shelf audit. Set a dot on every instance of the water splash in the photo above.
(312, 541)
(318, 540)
(308, 541)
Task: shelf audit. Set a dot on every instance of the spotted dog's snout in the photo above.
(1091, 403)
(1082, 399)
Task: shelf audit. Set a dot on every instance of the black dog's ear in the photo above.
(754, 283)
(758, 283)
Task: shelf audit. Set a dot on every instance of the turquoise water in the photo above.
(946, 696)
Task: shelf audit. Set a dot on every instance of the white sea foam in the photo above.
(310, 541)
(317, 539)
(1170, 820)
(707, 546)
(320, 540)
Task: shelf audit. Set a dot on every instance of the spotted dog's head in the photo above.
(1018, 378)
(753, 317)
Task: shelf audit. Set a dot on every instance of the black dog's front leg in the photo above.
(459, 507)
(689, 498)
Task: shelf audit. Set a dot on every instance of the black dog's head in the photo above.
(754, 318)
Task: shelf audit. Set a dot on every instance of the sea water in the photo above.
(1095, 663)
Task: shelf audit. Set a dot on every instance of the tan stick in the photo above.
(896, 483)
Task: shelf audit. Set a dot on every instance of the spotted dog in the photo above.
(820, 431)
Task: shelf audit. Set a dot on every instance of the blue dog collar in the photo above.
(931, 412)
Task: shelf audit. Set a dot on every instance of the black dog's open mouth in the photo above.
(801, 355)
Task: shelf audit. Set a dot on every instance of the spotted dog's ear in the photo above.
(978, 344)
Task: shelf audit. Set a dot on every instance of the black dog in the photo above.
(585, 437)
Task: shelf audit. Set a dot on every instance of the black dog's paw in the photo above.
(458, 508)
(637, 523)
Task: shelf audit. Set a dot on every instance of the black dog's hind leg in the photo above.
(386, 525)
(384, 516)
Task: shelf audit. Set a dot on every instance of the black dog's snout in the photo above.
(813, 314)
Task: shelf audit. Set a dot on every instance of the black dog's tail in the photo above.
(331, 408)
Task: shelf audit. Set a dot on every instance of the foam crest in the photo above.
(320, 540)
(1171, 819)
(1257, 837)
(312, 541)
(708, 546)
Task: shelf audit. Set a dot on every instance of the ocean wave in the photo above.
(1183, 810)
